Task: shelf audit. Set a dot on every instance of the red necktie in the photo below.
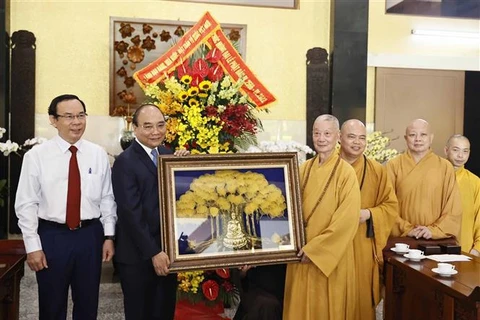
(73, 194)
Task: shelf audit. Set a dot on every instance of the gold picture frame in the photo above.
(228, 210)
(282, 4)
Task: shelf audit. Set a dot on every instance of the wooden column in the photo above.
(4, 95)
(22, 105)
(318, 87)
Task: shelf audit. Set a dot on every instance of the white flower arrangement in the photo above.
(8, 147)
(283, 146)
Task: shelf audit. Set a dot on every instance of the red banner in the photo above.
(233, 64)
(207, 31)
(182, 50)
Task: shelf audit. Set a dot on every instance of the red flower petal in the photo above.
(213, 55)
(223, 273)
(215, 73)
(200, 67)
(183, 69)
(210, 290)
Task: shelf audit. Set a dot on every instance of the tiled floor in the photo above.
(110, 304)
(111, 297)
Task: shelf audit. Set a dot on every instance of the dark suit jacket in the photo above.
(135, 186)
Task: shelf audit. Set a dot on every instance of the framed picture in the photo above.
(228, 210)
(135, 43)
(288, 4)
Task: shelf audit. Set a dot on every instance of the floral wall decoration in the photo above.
(137, 42)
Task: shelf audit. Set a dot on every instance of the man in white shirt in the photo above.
(67, 213)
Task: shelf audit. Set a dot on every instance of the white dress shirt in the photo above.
(43, 184)
(148, 150)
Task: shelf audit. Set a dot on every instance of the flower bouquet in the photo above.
(206, 110)
(10, 147)
(203, 294)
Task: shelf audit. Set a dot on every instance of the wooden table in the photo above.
(413, 291)
(12, 258)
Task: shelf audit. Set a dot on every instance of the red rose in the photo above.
(223, 273)
(210, 290)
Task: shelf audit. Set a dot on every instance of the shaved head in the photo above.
(325, 134)
(418, 123)
(353, 140)
(457, 150)
(328, 117)
(352, 123)
(418, 137)
(454, 137)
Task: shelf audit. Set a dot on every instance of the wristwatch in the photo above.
(109, 238)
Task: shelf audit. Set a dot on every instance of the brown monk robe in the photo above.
(376, 218)
(323, 285)
(457, 151)
(428, 196)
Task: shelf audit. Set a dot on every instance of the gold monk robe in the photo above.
(427, 195)
(325, 287)
(469, 185)
(379, 197)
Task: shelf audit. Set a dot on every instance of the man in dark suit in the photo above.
(148, 288)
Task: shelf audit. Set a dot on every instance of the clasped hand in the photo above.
(420, 232)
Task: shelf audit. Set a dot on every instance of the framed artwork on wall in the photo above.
(225, 210)
(135, 43)
(286, 4)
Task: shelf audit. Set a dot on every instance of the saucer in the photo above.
(399, 252)
(414, 259)
(451, 273)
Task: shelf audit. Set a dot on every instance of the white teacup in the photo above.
(414, 253)
(445, 267)
(401, 247)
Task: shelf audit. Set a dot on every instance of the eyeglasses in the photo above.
(149, 127)
(71, 117)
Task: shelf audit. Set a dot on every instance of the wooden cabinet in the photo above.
(12, 258)
(413, 291)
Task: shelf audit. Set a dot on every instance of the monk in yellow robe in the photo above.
(322, 285)
(457, 151)
(428, 196)
(376, 218)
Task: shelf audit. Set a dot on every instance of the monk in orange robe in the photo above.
(457, 151)
(323, 285)
(379, 209)
(428, 196)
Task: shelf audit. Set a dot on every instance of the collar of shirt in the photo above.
(64, 145)
(147, 149)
